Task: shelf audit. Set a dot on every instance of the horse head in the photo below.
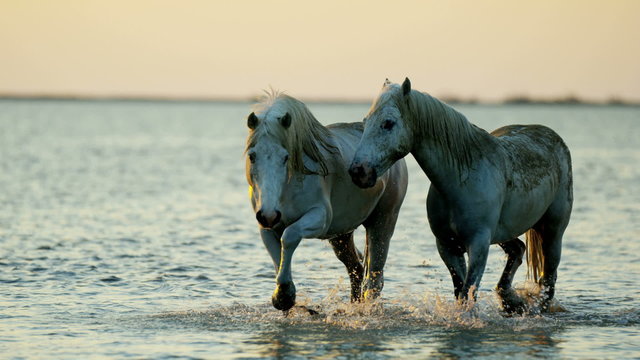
(387, 136)
(266, 164)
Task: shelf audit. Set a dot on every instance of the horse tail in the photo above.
(535, 257)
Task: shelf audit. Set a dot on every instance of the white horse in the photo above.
(485, 188)
(300, 188)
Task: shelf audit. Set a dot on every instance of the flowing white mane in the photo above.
(440, 122)
(305, 135)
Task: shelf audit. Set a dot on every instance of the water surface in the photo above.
(126, 232)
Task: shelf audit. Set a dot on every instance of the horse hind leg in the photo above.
(551, 252)
(546, 236)
(511, 302)
(348, 254)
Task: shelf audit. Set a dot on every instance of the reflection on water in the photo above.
(126, 232)
(384, 332)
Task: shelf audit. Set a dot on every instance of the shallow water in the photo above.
(126, 232)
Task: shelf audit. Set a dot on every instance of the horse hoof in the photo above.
(511, 302)
(284, 296)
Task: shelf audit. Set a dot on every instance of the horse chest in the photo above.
(298, 197)
(445, 217)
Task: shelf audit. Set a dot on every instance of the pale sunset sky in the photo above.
(331, 49)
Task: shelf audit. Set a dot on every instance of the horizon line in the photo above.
(518, 99)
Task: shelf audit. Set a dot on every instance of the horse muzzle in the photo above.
(268, 219)
(363, 175)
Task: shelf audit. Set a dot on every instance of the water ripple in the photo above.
(126, 232)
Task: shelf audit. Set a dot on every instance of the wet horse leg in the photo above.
(511, 302)
(453, 257)
(310, 225)
(478, 250)
(377, 248)
(552, 227)
(346, 251)
(271, 240)
(551, 250)
(379, 228)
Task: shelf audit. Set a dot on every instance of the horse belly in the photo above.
(521, 210)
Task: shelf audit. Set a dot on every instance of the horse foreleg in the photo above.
(379, 228)
(511, 302)
(310, 225)
(453, 257)
(271, 242)
(478, 250)
(346, 251)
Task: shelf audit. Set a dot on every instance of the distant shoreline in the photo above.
(512, 100)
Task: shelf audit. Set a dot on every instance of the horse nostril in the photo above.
(260, 218)
(268, 220)
(373, 176)
(363, 175)
(356, 171)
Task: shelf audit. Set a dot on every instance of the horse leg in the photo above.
(379, 228)
(551, 249)
(346, 251)
(284, 296)
(376, 251)
(310, 225)
(511, 302)
(271, 242)
(453, 257)
(551, 228)
(478, 250)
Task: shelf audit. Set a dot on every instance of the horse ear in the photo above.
(252, 121)
(285, 120)
(406, 87)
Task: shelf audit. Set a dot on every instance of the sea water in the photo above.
(126, 232)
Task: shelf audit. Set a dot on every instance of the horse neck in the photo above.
(316, 143)
(445, 143)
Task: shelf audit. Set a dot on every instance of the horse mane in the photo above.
(438, 121)
(305, 135)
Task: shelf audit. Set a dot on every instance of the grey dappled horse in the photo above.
(485, 188)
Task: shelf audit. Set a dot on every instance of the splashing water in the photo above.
(336, 312)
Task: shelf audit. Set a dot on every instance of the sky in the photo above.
(330, 49)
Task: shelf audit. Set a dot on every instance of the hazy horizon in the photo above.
(484, 51)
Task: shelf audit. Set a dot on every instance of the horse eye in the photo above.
(388, 124)
(252, 157)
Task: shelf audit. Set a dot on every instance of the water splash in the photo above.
(407, 311)
(530, 292)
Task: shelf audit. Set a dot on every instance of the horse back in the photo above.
(533, 152)
(346, 137)
(354, 129)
